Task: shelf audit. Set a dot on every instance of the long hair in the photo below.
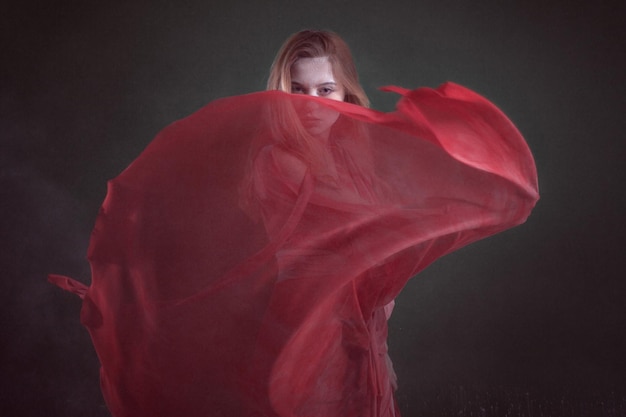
(315, 44)
(283, 117)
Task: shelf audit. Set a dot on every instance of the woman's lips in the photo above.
(311, 120)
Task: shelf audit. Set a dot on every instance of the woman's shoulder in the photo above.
(277, 159)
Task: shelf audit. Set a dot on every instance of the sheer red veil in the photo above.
(241, 267)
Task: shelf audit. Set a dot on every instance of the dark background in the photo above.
(533, 316)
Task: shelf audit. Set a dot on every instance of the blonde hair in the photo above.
(315, 44)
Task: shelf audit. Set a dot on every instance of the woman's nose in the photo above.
(310, 106)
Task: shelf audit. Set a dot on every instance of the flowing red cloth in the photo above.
(246, 263)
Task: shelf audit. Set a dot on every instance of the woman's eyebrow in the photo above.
(318, 85)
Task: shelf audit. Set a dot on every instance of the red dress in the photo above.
(247, 262)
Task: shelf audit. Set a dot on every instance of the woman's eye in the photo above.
(325, 91)
(296, 89)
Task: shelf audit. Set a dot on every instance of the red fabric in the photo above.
(244, 265)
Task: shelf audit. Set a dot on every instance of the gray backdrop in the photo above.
(536, 312)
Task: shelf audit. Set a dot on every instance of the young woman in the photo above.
(247, 262)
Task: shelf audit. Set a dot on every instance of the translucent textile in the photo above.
(246, 263)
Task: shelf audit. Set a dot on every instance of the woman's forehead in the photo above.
(316, 70)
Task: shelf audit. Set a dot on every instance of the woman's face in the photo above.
(314, 77)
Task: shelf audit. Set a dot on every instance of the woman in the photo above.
(249, 269)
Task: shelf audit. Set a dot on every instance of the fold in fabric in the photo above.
(246, 263)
